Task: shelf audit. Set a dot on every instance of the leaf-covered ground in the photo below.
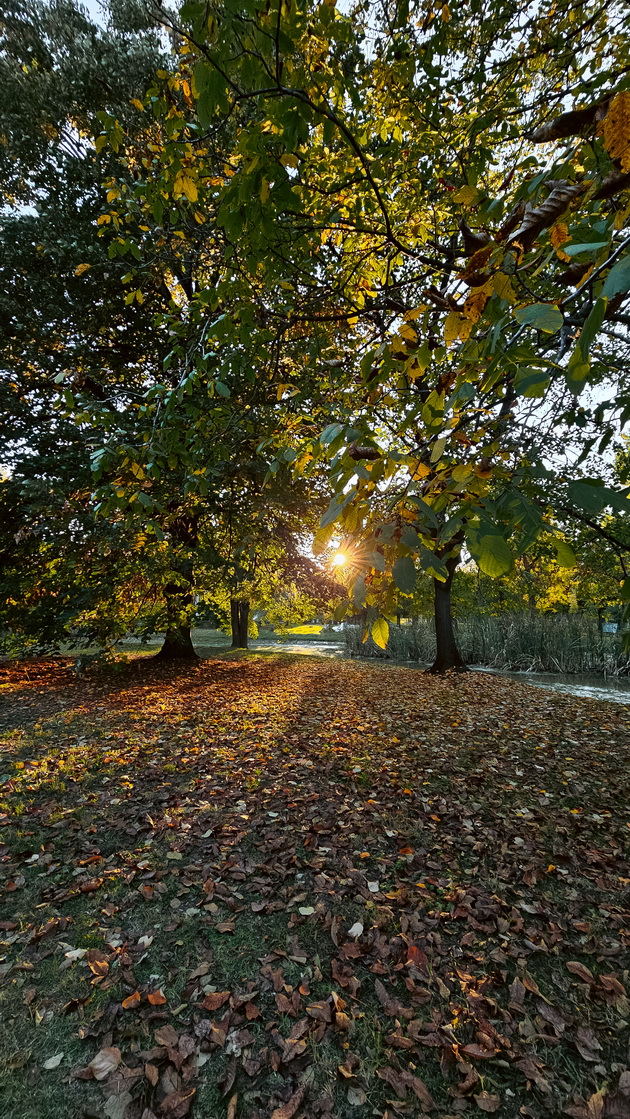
(274, 886)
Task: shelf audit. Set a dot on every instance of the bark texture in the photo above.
(239, 618)
(447, 654)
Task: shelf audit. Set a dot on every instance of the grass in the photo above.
(567, 643)
(222, 827)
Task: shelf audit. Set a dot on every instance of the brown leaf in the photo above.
(288, 1110)
(553, 1016)
(576, 968)
(131, 1001)
(479, 1051)
(419, 1089)
(231, 1111)
(390, 1003)
(487, 1102)
(177, 1104)
(394, 1079)
(106, 1060)
(215, 999)
(152, 1073)
(517, 994)
(320, 1011)
(166, 1036)
(587, 1044)
(156, 998)
(595, 1105)
(97, 961)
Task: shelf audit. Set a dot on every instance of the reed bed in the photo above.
(566, 643)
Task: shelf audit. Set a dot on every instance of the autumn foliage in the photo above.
(276, 888)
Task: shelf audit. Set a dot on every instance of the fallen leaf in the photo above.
(177, 1104)
(106, 1060)
(117, 1104)
(288, 1110)
(356, 1096)
(587, 1044)
(131, 1001)
(156, 998)
(53, 1062)
(576, 968)
(487, 1102)
(215, 999)
(97, 961)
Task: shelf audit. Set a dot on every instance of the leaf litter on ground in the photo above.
(273, 887)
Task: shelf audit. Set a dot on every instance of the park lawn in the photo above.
(290, 887)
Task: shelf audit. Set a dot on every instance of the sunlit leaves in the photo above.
(380, 632)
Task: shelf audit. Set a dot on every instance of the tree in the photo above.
(351, 147)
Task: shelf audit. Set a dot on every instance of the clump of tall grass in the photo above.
(567, 643)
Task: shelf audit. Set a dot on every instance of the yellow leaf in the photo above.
(502, 285)
(616, 129)
(558, 234)
(264, 191)
(456, 327)
(461, 473)
(185, 185)
(409, 316)
(420, 471)
(415, 371)
(407, 331)
(467, 195)
(446, 14)
(113, 194)
(81, 268)
(380, 633)
(199, 217)
(474, 305)
(162, 74)
(137, 104)
(289, 160)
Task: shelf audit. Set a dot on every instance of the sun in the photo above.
(339, 559)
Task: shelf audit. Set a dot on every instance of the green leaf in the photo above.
(330, 433)
(625, 591)
(438, 449)
(589, 247)
(531, 382)
(404, 573)
(380, 633)
(494, 557)
(618, 279)
(542, 316)
(222, 389)
(427, 514)
(564, 553)
(577, 371)
(591, 327)
(590, 497)
(358, 592)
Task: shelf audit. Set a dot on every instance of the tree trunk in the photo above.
(179, 596)
(447, 655)
(239, 617)
(177, 641)
(177, 645)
